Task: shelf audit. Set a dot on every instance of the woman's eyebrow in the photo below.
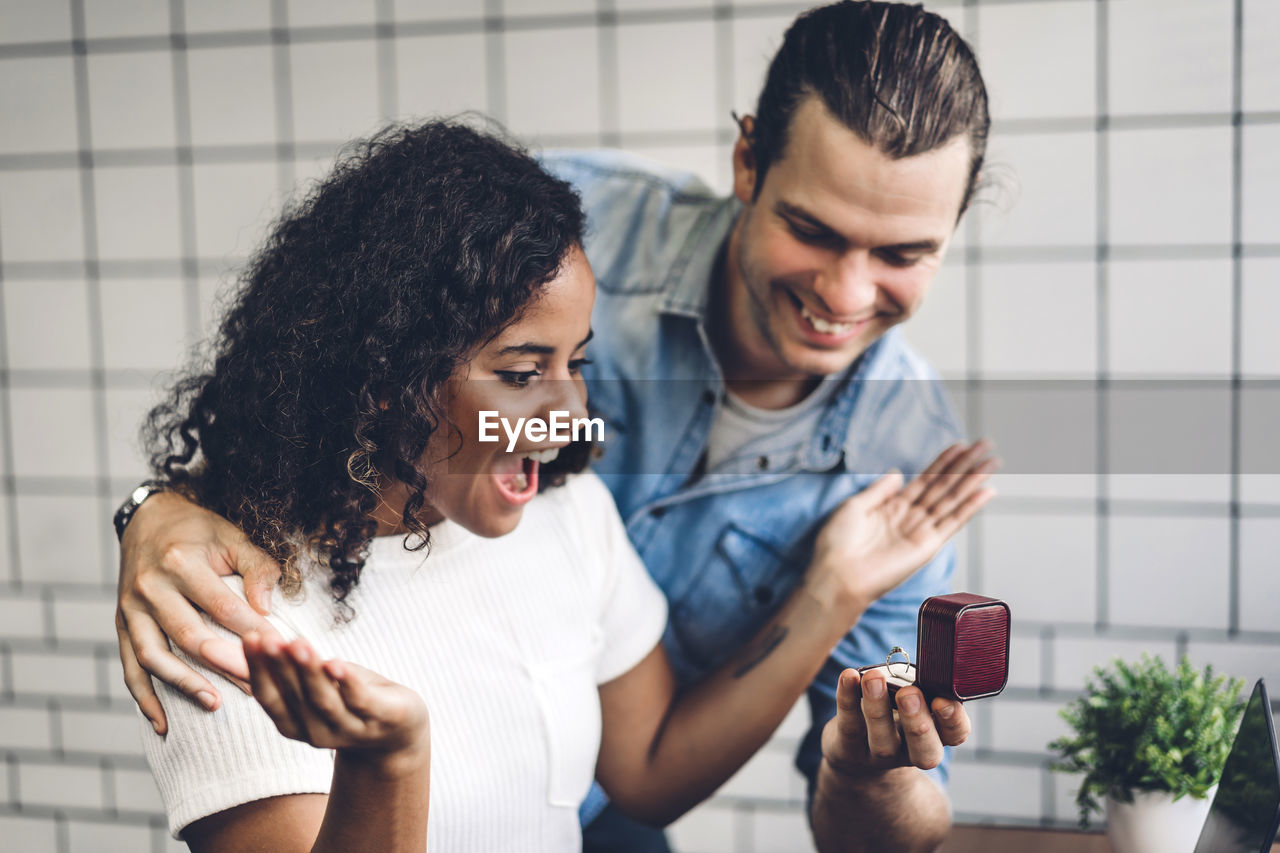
(540, 349)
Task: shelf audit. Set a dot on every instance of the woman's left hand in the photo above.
(333, 704)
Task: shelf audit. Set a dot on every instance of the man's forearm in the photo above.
(900, 810)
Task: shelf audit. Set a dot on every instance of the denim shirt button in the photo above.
(763, 595)
(658, 511)
(762, 463)
(708, 396)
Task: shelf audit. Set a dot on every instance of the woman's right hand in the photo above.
(333, 704)
(171, 557)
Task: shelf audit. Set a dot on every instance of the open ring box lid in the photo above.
(962, 648)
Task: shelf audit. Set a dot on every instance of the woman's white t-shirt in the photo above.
(505, 639)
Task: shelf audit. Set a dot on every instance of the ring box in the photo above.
(962, 649)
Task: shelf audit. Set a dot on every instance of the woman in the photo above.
(509, 631)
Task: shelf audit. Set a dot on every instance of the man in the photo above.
(715, 325)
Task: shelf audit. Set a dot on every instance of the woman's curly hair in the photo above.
(422, 245)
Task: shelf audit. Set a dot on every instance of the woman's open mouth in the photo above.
(516, 474)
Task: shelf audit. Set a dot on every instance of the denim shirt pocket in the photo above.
(730, 598)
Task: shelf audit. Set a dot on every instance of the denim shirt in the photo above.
(729, 547)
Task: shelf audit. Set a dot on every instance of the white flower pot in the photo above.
(1155, 823)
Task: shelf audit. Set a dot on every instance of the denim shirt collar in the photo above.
(689, 280)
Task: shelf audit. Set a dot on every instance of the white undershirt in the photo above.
(506, 639)
(739, 425)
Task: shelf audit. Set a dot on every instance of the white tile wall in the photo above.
(1026, 305)
(1169, 318)
(1170, 186)
(548, 7)
(22, 617)
(1260, 300)
(131, 100)
(138, 214)
(319, 13)
(1260, 62)
(547, 91)
(46, 324)
(442, 75)
(755, 41)
(60, 785)
(27, 22)
(233, 208)
(1259, 574)
(1065, 549)
(56, 438)
(1149, 48)
(108, 838)
(1168, 571)
(115, 18)
(1039, 59)
(1260, 186)
(227, 15)
(1051, 181)
(136, 790)
(335, 90)
(232, 98)
(1039, 320)
(1074, 658)
(37, 96)
(939, 330)
(60, 539)
(677, 93)
(42, 216)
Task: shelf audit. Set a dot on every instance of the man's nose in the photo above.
(847, 287)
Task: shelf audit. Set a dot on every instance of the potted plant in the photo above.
(1150, 742)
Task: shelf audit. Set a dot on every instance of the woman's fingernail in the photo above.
(301, 653)
(875, 688)
(206, 699)
(155, 724)
(909, 704)
(947, 711)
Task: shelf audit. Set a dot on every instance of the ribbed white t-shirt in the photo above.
(505, 639)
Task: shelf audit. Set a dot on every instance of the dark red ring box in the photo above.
(962, 648)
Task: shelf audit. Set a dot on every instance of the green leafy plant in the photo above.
(1142, 727)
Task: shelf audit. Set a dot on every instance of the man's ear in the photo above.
(744, 161)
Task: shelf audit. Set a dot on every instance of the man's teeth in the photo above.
(826, 326)
(543, 456)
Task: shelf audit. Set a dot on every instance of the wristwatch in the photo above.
(125, 513)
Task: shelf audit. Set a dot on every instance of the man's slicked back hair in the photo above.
(897, 76)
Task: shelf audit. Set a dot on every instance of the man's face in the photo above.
(840, 245)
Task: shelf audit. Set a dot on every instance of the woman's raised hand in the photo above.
(333, 704)
(874, 540)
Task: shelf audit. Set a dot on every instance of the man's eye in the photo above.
(894, 259)
(816, 238)
(576, 365)
(516, 378)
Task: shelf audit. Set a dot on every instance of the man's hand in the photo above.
(171, 557)
(870, 794)
(874, 540)
(867, 736)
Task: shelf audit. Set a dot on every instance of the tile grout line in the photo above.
(93, 284)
